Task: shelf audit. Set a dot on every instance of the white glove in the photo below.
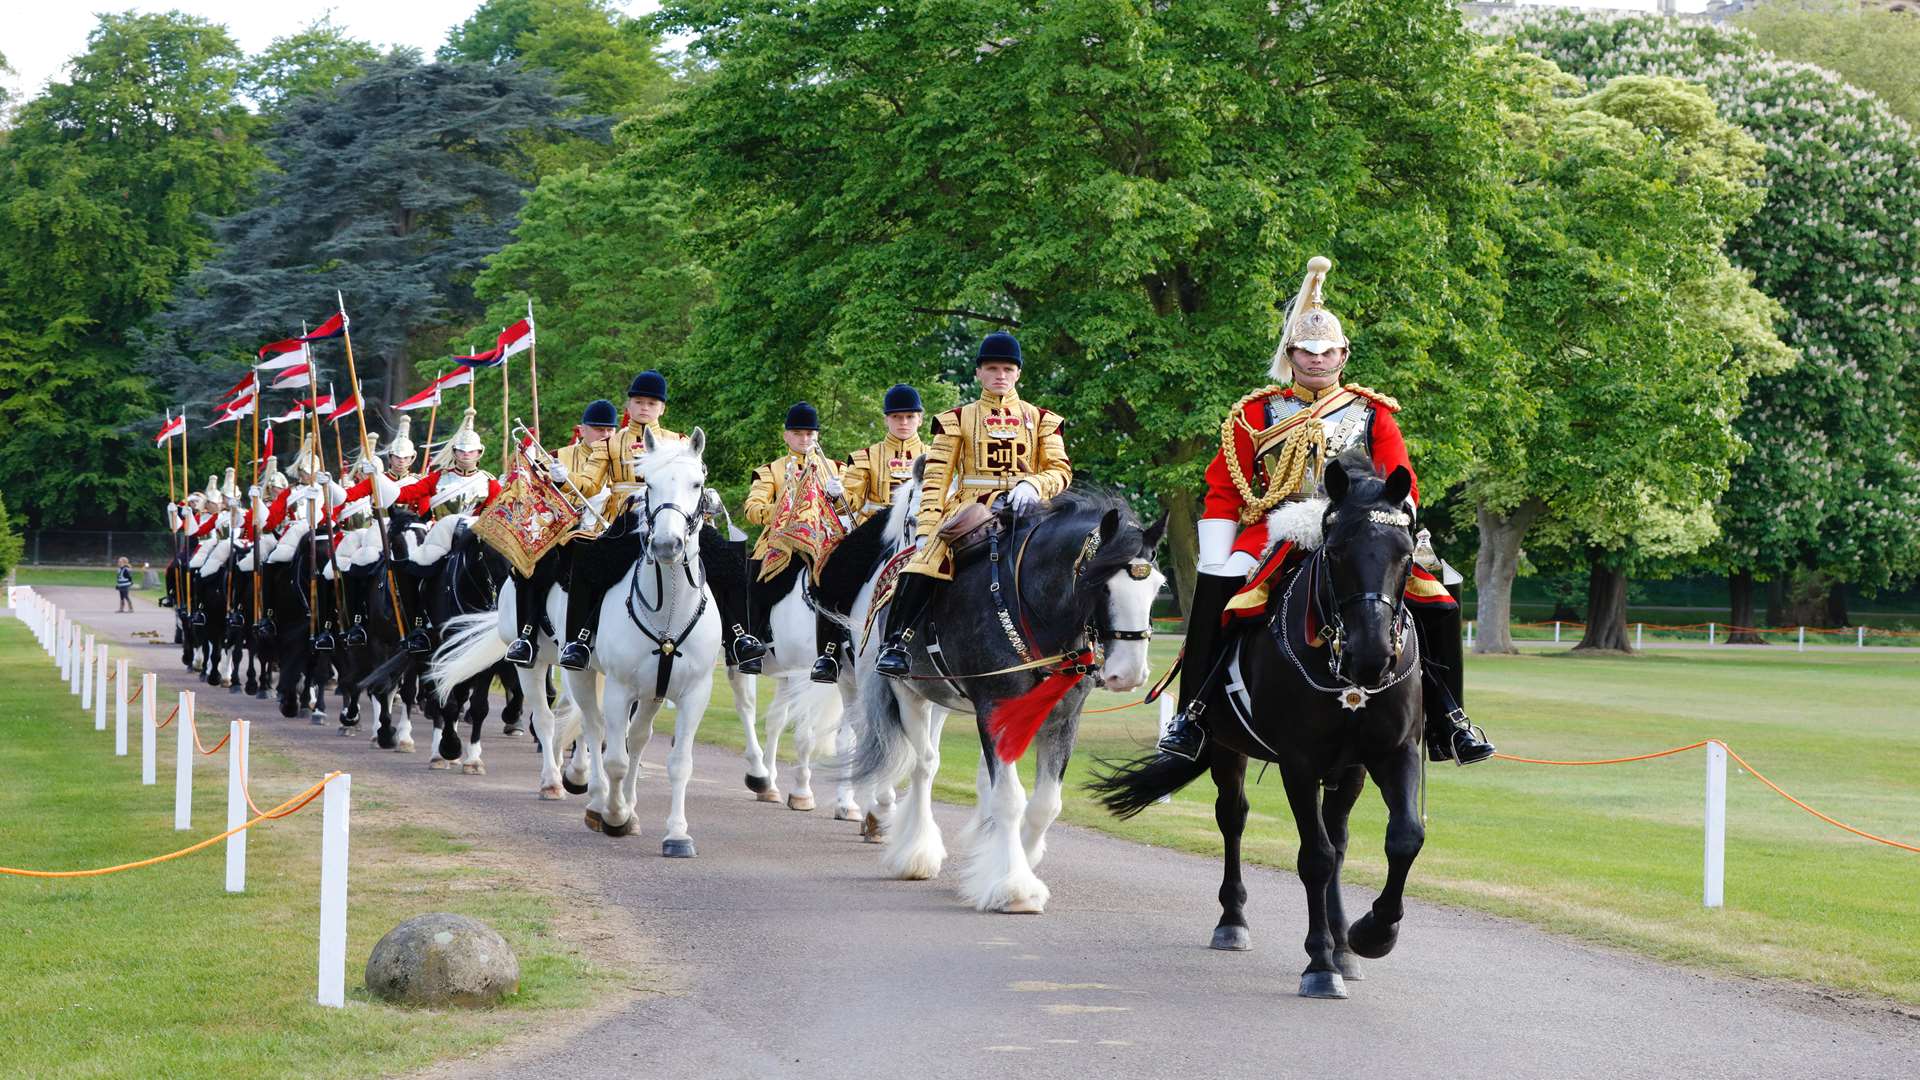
(253, 492)
(367, 467)
(1023, 497)
(558, 472)
(835, 489)
(326, 478)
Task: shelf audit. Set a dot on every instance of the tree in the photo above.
(606, 59)
(1639, 336)
(11, 543)
(313, 61)
(1135, 188)
(106, 184)
(1831, 483)
(393, 191)
(1872, 48)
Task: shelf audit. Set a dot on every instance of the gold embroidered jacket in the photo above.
(980, 451)
(871, 474)
(610, 463)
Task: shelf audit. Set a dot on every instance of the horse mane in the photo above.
(1096, 501)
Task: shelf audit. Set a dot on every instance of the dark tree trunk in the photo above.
(1740, 601)
(1606, 608)
(1837, 606)
(1493, 573)
(1777, 600)
(1183, 549)
(1803, 601)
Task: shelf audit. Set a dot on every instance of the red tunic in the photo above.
(1223, 497)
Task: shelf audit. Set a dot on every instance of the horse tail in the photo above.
(470, 644)
(880, 754)
(381, 679)
(1127, 787)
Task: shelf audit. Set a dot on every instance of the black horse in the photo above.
(292, 596)
(1046, 600)
(1331, 693)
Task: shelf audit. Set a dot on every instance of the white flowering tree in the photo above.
(1830, 488)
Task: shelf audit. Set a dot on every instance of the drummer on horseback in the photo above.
(798, 500)
(868, 480)
(611, 465)
(1266, 480)
(997, 451)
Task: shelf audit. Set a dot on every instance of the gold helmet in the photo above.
(401, 445)
(212, 496)
(464, 438)
(306, 464)
(1309, 324)
(272, 480)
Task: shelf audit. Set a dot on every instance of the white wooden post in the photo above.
(1802, 647)
(73, 661)
(120, 711)
(1556, 631)
(1716, 864)
(1709, 633)
(333, 891)
(1639, 630)
(102, 686)
(148, 691)
(237, 805)
(1859, 637)
(64, 635)
(183, 754)
(86, 676)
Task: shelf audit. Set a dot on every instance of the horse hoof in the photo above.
(439, 762)
(625, 828)
(346, 730)
(1370, 938)
(473, 768)
(318, 719)
(510, 732)
(596, 822)
(677, 849)
(1323, 984)
(870, 830)
(1349, 965)
(846, 813)
(759, 785)
(289, 711)
(573, 788)
(800, 802)
(404, 746)
(1231, 939)
(769, 795)
(552, 793)
(1024, 905)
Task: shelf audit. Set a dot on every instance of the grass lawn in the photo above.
(159, 972)
(1612, 854)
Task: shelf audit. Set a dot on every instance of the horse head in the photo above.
(1119, 569)
(1367, 554)
(676, 480)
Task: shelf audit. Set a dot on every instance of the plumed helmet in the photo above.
(306, 464)
(401, 445)
(212, 495)
(464, 438)
(601, 413)
(1000, 346)
(1309, 325)
(272, 480)
(803, 417)
(902, 398)
(230, 487)
(648, 384)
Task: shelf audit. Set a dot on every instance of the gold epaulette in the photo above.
(1384, 400)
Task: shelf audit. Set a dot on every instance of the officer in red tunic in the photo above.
(1265, 495)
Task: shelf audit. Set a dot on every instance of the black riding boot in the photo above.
(357, 589)
(1450, 735)
(584, 591)
(729, 579)
(911, 595)
(526, 608)
(1186, 735)
(829, 637)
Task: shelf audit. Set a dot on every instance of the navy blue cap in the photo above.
(998, 345)
(601, 413)
(902, 398)
(648, 384)
(803, 417)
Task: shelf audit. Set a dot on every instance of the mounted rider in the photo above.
(999, 450)
(798, 528)
(457, 488)
(612, 465)
(361, 545)
(868, 482)
(183, 521)
(1265, 489)
(598, 423)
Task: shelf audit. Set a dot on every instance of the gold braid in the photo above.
(1300, 446)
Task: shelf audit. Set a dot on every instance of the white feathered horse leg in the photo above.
(816, 713)
(998, 876)
(777, 712)
(746, 703)
(915, 850)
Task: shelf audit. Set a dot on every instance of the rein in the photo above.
(1352, 697)
(667, 643)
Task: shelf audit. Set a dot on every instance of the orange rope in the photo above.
(137, 688)
(209, 751)
(291, 806)
(1757, 775)
(169, 719)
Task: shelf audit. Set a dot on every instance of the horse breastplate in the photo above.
(1348, 426)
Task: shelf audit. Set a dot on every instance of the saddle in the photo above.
(968, 528)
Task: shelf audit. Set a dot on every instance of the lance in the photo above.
(433, 414)
(373, 483)
(506, 425)
(533, 367)
(253, 497)
(327, 515)
(186, 572)
(233, 525)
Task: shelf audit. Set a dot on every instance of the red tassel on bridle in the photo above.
(1015, 721)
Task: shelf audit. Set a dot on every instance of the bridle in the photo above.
(1353, 697)
(666, 642)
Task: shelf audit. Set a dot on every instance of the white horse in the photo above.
(659, 641)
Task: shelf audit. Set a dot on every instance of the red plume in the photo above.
(1015, 721)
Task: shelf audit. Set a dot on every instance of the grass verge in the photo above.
(159, 972)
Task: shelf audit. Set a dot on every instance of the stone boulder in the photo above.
(443, 959)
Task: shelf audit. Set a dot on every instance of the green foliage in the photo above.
(1137, 187)
(1831, 482)
(312, 61)
(1871, 48)
(594, 52)
(11, 542)
(106, 182)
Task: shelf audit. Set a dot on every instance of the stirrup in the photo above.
(356, 635)
(576, 656)
(323, 641)
(826, 670)
(1468, 744)
(1185, 737)
(520, 653)
(419, 642)
(745, 649)
(894, 661)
